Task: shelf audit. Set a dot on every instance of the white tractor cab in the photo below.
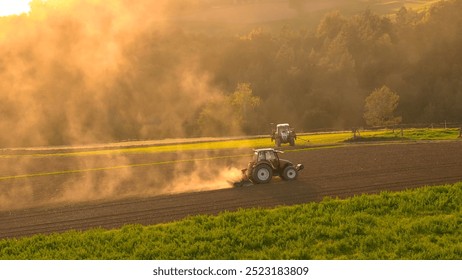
(283, 134)
(265, 164)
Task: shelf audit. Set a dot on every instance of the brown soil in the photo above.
(140, 198)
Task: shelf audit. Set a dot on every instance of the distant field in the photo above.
(305, 140)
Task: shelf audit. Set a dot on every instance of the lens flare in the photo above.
(14, 7)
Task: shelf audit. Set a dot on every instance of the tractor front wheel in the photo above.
(289, 173)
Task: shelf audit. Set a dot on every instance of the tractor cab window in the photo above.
(261, 156)
(282, 129)
(271, 157)
(258, 156)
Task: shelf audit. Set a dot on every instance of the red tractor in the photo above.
(265, 164)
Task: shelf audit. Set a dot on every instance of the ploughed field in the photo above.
(55, 191)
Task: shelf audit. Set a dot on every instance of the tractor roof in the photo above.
(282, 124)
(268, 149)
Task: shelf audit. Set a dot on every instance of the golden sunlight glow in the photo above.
(14, 7)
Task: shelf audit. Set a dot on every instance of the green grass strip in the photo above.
(307, 140)
(421, 224)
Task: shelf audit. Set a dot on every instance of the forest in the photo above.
(76, 72)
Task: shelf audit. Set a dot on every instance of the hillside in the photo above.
(79, 72)
(240, 15)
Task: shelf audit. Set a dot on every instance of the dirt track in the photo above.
(336, 172)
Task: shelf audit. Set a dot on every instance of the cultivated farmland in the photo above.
(112, 189)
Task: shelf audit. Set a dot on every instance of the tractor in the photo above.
(265, 164)
(283, 134)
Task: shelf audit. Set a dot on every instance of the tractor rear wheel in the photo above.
(292, 141)
(262, 174)
(278, 142)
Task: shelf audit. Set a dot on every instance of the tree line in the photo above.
(321, 78)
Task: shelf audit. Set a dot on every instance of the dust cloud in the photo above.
(39, 180)
(205, 178)
(76, 72)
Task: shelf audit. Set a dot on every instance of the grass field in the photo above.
(423, 223)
